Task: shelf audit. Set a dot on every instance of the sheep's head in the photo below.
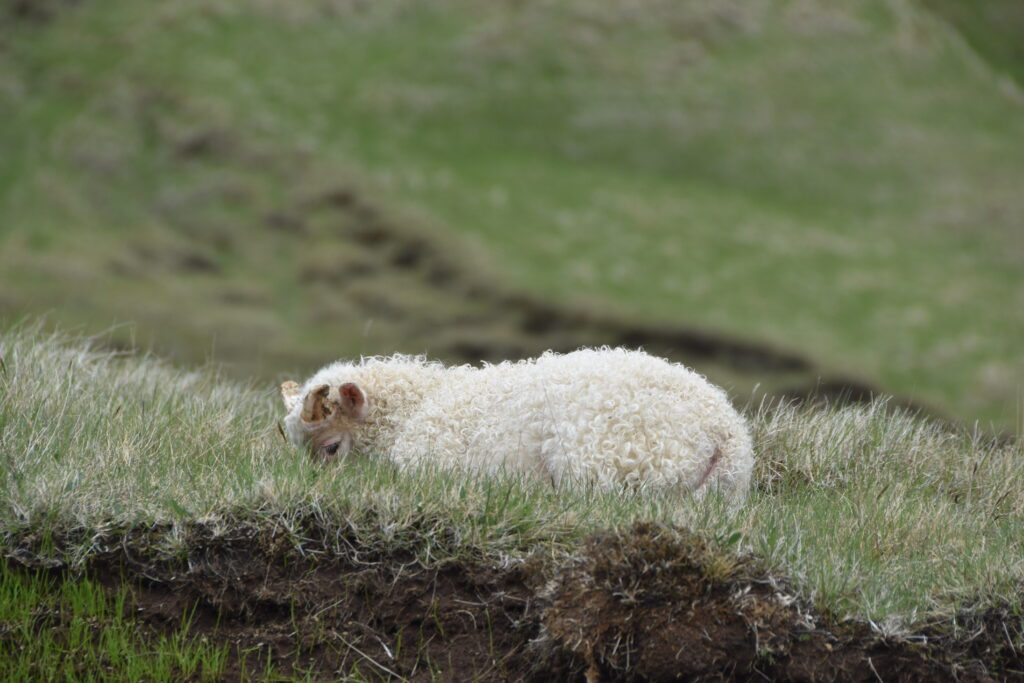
(328, 417)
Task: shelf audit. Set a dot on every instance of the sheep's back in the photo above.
(605, 416)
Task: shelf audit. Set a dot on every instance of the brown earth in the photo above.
(651, 603)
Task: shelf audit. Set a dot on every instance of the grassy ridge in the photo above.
(876, 515)
(841, 181)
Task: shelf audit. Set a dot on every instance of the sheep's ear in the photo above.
(315, 408)
(353, 400)
(290, 393)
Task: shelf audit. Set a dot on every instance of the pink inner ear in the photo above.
(353, 400)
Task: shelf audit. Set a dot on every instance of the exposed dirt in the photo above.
(649, 604)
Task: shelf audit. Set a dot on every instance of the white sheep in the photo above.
(610, 417)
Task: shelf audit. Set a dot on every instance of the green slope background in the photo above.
(276, 184)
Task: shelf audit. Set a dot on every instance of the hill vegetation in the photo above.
(281, 184)
(118, 466)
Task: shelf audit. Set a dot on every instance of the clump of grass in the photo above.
(72, 629)
(883, 514)
(874, 513)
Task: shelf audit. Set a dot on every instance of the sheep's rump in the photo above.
(607, 417)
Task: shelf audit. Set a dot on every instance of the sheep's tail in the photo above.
(712, 463)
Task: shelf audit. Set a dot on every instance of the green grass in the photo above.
(838, 180)
(874, 515)
(68, 629)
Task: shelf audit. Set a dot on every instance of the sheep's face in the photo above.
(329, 416)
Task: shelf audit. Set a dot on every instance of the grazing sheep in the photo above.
(610, 417)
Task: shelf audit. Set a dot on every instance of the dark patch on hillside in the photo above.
(33, 11)
(649, 604)
(993, 28)
(537, 324)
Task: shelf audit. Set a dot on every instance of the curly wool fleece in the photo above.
(608, 417)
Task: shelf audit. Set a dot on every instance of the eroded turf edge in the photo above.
(644, 603)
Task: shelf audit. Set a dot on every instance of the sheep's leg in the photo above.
(712, 463)
(547, 471)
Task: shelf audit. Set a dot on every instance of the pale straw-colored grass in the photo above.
(873, 513)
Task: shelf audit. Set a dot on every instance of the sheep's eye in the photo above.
(333, 448)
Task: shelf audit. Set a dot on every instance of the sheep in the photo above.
(610, 417)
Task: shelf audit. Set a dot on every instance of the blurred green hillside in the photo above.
(276, 184)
